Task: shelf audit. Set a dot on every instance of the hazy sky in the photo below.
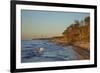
(36, 24)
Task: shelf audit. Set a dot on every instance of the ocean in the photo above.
(50, 51)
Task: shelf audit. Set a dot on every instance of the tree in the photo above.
(87, 20)
(75, 32)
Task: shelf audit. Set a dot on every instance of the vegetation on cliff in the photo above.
(77, 34)
(78, 31)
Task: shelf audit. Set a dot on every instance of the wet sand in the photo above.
(82, 49)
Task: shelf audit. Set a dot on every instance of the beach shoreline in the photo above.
(82, 48)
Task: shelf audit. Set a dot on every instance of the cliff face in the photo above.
(77, 34)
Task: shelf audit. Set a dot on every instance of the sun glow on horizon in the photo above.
(44, 24)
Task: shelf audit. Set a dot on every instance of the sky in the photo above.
(37, 24)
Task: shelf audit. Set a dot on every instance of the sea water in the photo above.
(51, 51)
